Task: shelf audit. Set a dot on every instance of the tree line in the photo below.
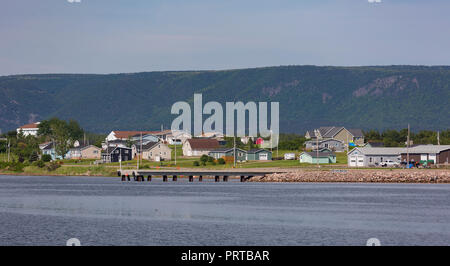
(394, 138)
(62, 133)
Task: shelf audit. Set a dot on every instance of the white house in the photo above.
(178, 137)
(199, 147)
(366, 156)
(29, 129)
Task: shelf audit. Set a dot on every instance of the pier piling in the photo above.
(191, 178)
(225, 178)
(164, 178)
(217, 178)
(200, 178)
(149, 178)
(174, 178)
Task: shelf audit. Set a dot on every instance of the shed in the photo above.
(259, 155)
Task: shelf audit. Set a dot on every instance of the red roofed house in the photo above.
(199, 147)
(29, 129)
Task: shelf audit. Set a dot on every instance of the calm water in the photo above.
(105, 211)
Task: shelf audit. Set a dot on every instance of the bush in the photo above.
(204, 158)
(39, 164)
(33, 157)
(21, 158)
(12, 166)
(210, 159)
(53, 166)
(196, 163)
(46, 158)
(221, 161)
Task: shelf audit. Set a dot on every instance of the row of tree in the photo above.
(62, 133)
(394, 138)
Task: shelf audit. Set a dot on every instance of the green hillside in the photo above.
(309, 96)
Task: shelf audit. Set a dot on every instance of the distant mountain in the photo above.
(310, 96)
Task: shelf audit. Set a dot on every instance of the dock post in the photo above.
(225, 178)
(149, 178)
(200, 178)
(242, 178)
(128, 177)
(191, 178)
(164, 178)
(174, 178)
(217, 178)
(123, 178)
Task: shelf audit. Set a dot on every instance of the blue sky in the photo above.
(116, 36)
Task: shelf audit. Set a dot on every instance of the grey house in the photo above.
(366, 157)
(332, 144)
(241, 155)
(259, 155)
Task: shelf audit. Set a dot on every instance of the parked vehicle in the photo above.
(389, 163)
(289, 156)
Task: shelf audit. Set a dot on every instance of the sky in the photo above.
(122, 36)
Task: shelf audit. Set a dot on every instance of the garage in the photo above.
(372, 157)
(353, 161)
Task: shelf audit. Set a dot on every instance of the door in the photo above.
(360, 161)
(263, 156)
(353, 160)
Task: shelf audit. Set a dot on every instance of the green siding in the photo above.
(306, 158)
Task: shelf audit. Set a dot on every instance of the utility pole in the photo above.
(438, 139)
(278, 143)
(120, 159)
(9, 149)
(407, 148)
(317, 151)
(141, 151)
(234, 150)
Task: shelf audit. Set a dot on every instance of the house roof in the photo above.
(375, 144)
(129, 134)
(83, 147)
(379, 151)
(330, 132)
(203, 144)
(220, 150)
(111, 149)
(146, 146)
(32, 125)
(46, 146)
(428, 149)
(257, 150)
(322, 141)
(321, 154)
(356, 132)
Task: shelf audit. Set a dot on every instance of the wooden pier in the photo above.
(218, 175)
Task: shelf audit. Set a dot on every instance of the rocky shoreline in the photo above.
(359, 176)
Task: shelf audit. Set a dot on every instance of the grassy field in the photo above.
(87, 167)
